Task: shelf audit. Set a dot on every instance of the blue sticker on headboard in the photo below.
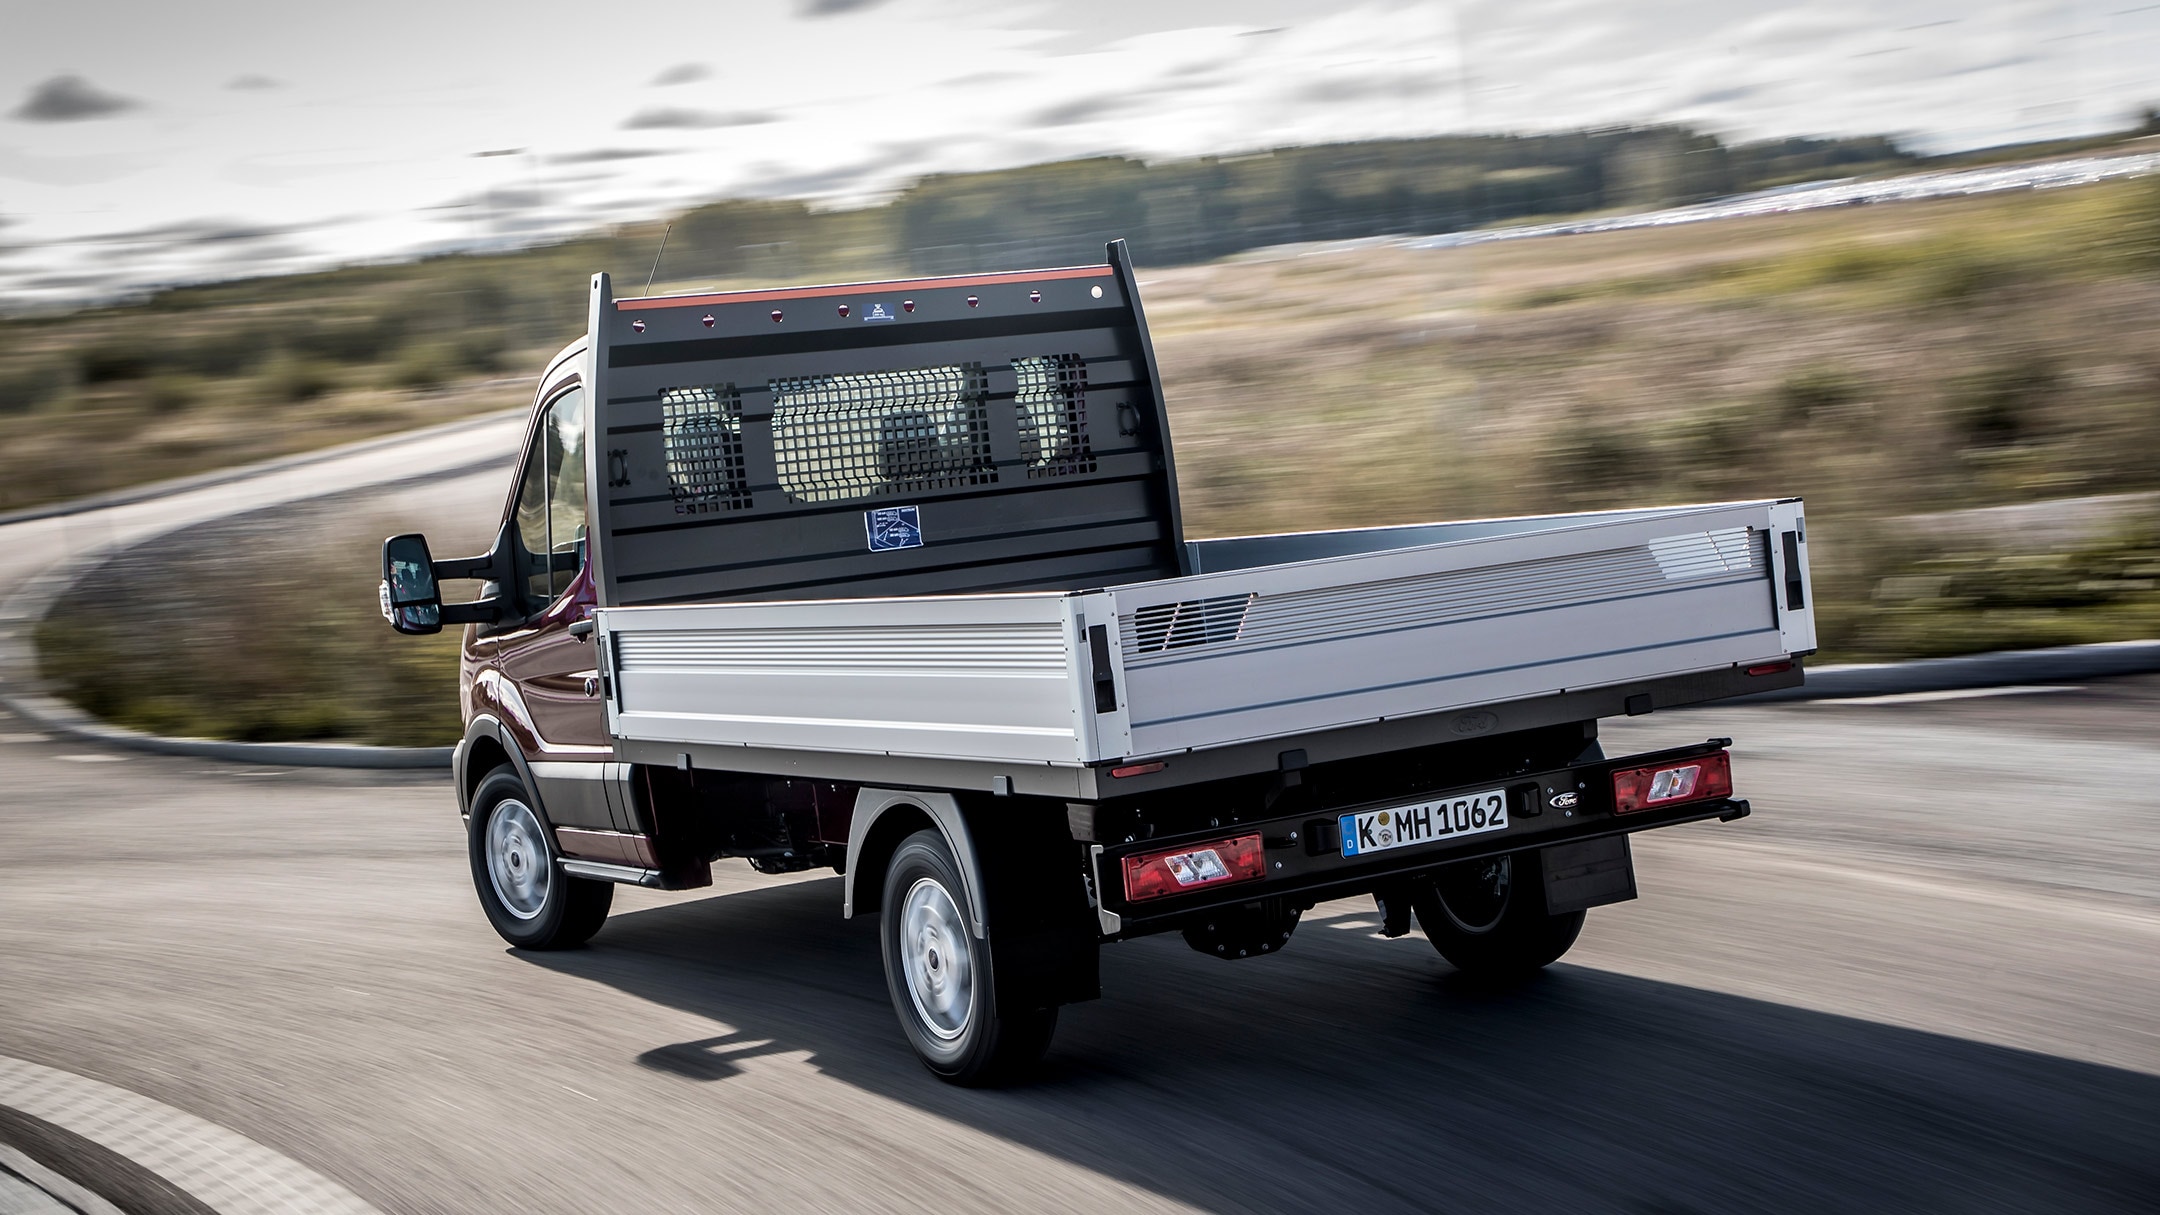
(892, 527)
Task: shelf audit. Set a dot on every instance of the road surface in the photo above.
(1921, 977)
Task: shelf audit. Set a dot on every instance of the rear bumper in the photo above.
(1305, 871)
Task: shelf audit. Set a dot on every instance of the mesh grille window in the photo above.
(1052, 404)
(837, 437)
(702, 430)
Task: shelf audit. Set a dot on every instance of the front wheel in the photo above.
(531, 902)
(940, 975)
(1489, 924)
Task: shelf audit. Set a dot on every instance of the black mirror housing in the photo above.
(411, 598)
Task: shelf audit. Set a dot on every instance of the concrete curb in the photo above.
(2003, 668)
(58, 717)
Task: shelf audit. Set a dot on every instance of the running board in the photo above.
(628, 875)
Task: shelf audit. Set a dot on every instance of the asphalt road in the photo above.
(1921, 977)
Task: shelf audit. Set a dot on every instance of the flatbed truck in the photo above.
(891, 579)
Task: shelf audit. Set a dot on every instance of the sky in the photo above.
(145, 144)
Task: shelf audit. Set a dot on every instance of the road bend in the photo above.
(1920, 977)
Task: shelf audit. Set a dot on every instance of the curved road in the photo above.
(1921, 976)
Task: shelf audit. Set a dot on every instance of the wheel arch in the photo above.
(883, 818)
(487, 746)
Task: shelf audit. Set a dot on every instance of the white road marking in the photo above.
(93, 759)
(22, 738)
(588, 1096)
(230, 1172)
(1909, 698)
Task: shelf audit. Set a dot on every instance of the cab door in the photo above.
(555, 674)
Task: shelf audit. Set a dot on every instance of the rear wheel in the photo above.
(527, 897)
(1489, 924)
(940, 975)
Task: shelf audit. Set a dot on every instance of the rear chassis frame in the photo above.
(1305, 865)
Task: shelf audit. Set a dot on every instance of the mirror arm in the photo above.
(491, 566)
(479, 611)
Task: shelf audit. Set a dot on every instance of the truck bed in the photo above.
(1275, 639)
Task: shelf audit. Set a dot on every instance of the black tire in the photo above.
(534, 904)
(948, 1006)
(1489, 925)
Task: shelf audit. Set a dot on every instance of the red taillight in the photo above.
(1152, 875)
(1688, 780)
(1770, 668)
(1138, 769)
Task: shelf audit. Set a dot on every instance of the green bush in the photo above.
(425, 365)
(1807, 395)
(290, 379)
(1957, 273)
(107, 361)
(169, 392)
(2004, 404)
(31, 383)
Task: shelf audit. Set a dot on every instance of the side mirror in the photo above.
(411, 600)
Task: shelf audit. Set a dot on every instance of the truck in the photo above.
(890, 579)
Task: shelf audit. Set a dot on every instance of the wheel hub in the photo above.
(1475, 893)
(934, 954)
(517, 859)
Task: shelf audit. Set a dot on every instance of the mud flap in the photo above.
(1588, 874)
(1044, 944)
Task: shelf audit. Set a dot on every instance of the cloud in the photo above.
(813, 9)
(682, 73)
(1738, 92)
(1080, 109)
(251, 82)
(208, 231)
(64, 170)
(70, 99)
(666, 118)
(596, 156)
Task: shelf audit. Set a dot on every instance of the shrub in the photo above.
(1959, 273)
(291, 379)
(27, 385)
(2001, 405)
(1809, 394)
(105, 362)
(168, 392)
(425, 365)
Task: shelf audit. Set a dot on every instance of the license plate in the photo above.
(1370, 831)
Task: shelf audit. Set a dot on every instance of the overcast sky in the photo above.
(146, 143)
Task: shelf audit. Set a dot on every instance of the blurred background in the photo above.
(1403, 262)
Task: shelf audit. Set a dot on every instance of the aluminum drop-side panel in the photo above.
(1560, 604)
(980, 677)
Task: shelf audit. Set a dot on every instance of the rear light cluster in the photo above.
(1689, 780)
(1152, 875)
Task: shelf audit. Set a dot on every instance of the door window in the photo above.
(551, 501)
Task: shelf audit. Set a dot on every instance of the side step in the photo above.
(628, 875)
